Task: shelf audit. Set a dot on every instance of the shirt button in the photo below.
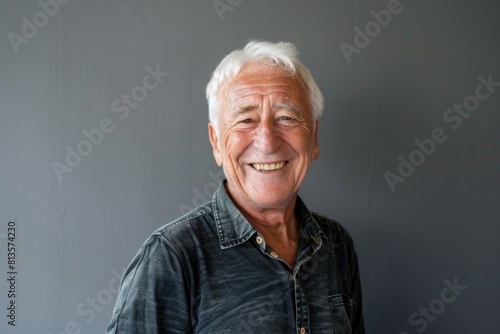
(273, 254)
(303, 330)
(259, 239)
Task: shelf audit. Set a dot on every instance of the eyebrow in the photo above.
(278, 106)
(287, 106)
(243, 109)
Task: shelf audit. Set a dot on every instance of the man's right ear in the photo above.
(214, 140)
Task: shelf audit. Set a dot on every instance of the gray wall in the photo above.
(151, 161)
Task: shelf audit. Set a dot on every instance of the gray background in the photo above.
(75, 233)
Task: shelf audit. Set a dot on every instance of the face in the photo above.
(266, 139)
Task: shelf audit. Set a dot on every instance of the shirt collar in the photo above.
(233, 229)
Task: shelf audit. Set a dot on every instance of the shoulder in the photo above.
(332, 228)
(184, 236)
(328, 224)
(196, 220)
(173, 243)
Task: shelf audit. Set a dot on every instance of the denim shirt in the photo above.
(211, 272)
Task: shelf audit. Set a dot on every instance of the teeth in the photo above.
(274, 166)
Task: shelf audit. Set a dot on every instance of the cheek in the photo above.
(302, 141)
(235, 143)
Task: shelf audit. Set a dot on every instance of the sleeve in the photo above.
(153, 296)
(357, 322)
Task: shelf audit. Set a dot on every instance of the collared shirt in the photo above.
(211, 272)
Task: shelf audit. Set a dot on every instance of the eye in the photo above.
(248, 120)
(285, 118)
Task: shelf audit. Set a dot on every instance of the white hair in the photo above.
(283, 54)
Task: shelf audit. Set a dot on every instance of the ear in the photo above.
(315, 142)
(214, 140)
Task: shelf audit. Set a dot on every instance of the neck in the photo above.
(278, 226)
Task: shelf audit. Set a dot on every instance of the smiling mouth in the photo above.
(269, 167)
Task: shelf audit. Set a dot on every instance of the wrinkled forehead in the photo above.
(258, 80)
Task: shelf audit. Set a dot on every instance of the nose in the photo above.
(267, 138)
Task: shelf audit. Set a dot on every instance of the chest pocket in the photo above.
(341, 307)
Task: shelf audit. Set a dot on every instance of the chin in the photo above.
(270, 199)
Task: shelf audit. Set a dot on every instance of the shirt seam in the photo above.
(132, 275)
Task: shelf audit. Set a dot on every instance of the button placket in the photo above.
(302, 315)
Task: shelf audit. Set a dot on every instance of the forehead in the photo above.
(255, 81)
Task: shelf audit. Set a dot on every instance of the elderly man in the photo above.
(254, 259)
